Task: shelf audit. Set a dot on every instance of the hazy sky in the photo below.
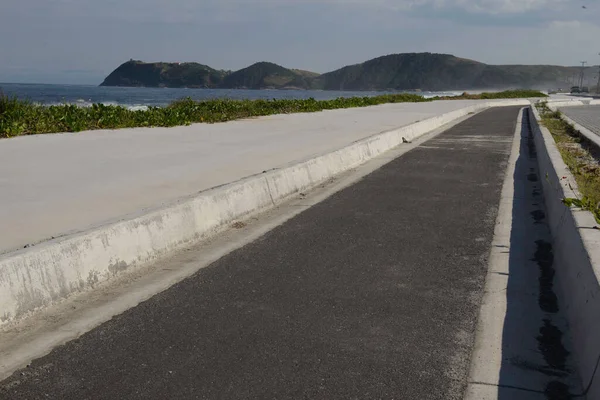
(81, 41)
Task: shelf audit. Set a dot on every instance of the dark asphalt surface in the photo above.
(371, 294)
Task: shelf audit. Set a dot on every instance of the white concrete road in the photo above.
(51, 185)
(588, 116)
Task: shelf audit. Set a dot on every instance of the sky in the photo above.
(82, 41)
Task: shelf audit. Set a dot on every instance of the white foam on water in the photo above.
(87, 103)
(141, 105)
(137, 108)
(429, 95)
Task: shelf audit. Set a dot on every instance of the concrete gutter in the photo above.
(577, 257)
(36, 277)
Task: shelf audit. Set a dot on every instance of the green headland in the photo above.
(409, 71)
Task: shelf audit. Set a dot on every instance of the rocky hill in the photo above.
(428, 71)
(141, 74)
(267, 75)
(409, 71)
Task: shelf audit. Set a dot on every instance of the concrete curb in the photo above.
(553, 105)
(41, 275)
(589, 135)
(576, 254)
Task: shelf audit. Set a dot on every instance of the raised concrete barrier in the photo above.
(576, 256)
(36, 277)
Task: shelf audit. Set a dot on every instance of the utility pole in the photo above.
(582, 72)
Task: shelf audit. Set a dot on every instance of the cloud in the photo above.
(114, 7)
(472, 6)
(565, 24)
(53, 36)
(506, 6)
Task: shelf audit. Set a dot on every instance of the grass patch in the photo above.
(578, 156)
(21, 117)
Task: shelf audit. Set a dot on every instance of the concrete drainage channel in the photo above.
(576, 252)
(39, 276)
(539, 325)
(522, 345)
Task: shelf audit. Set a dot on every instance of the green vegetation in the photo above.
(578, 157)
(409, 71)
(18, 117)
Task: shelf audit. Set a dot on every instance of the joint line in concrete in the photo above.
(507, 387)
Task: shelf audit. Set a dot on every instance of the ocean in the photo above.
(140, 98)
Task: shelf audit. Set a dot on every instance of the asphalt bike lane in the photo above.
(372, 293)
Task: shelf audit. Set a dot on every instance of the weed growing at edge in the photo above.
(580, 161)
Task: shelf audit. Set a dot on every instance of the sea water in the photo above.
(141, 98)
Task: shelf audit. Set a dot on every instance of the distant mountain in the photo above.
(409, 71)
(404, 72)
(306, 74)
(428, 71)
(268, 75)
(138, 73)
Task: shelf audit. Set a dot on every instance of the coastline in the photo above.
(21, 117)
